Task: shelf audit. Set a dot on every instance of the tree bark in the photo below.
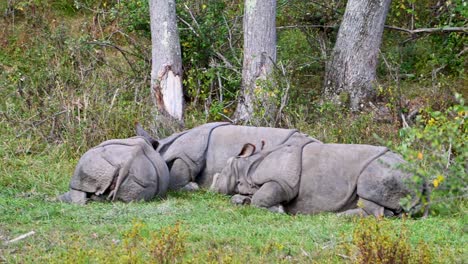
(259, 54)
(350, 74)
(166, 68)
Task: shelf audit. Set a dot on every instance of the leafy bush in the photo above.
(437, 153)
(377, 241)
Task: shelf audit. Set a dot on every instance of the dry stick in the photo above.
(188, 25)
(122, 51)
(41, 122)
(409, 31)
(20, 237)
(227, 64)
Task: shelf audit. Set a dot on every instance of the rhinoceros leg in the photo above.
(239, 199)
(367, 208)
(371, 208)
(270, 196)
(180, 177)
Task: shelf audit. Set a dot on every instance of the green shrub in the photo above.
(437, 153)
(378, 241)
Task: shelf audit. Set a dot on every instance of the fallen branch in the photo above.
(20, 238)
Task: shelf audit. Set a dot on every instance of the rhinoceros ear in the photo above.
(141, 132)
(247, 150)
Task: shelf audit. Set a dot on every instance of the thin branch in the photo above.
(41, 122)
(429, 30)
(306, 26)
(20, 237)
(192, 16)
(409, 31)
(122, 51)
(188, 25)
(226, 62)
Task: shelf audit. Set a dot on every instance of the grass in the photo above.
(40, 147)
(212, 230)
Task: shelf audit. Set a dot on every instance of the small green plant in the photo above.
(167, 245)
(437, 153)
(377, 241)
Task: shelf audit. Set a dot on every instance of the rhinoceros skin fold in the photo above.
(119, 169)
(350, 179)
(194, 156)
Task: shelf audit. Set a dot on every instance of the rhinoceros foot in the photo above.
(73, 196)
(277, 209)
(240, 199)
(190, 187)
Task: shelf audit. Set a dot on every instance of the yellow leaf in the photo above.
(420, 156)
(203, 7)
(435, 182)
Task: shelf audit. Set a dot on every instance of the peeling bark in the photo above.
(166, 68)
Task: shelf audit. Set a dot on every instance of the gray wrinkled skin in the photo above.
(346, 178)
(195, 155)
(119, 169)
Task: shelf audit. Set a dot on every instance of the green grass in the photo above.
(39, 149)
(209, 223)
(212, 229)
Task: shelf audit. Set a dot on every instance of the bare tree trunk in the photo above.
(259, 54)
(166, 69)
(351, 73)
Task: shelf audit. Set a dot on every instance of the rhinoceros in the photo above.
(194, 156)
(350, 179)
(119, 169)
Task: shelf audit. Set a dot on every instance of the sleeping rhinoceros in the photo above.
(312, 178)
(194, 156)
(119, 169)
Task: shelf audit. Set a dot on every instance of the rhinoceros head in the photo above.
(233, 177)
(120, 169)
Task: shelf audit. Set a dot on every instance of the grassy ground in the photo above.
(184, 227)
(62, 95)
(210, 228)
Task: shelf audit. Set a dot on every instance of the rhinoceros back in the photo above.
(227, 141)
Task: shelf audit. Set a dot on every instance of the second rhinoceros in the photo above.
(194, 156)
(312, 178)
(120, 169)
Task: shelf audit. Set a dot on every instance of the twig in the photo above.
(188, 25)
(448, 158)
(192, 16)
(223, 115)
(226, 62)
(122, 51)
(403, 120)
(343, 256)
(405, 30)
(306, 26)
(20, 237)
(41, 122)
(429, 30)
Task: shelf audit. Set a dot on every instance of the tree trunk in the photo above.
(166, 68)
(350, 75)
(259, 55)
